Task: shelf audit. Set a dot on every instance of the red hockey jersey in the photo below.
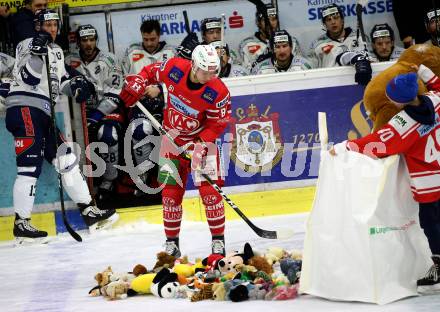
(419, 143)
(201, 113)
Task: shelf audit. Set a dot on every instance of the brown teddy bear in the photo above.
(164, 260)
(379, 107)
(115, 290)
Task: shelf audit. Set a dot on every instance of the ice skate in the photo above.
(172, 248)
(431, 282)
(218, 245)
(26, 234)
(97, 219)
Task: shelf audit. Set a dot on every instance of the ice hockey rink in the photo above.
(58, 276)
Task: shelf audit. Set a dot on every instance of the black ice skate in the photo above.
(25, 233)
(431, 282)
(97, 219)
(218, 245)
(172, 248)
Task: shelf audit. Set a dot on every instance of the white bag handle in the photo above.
(322, 128)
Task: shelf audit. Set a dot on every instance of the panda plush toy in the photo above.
(165, 284)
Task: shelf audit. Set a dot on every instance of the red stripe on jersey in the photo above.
(27, 119)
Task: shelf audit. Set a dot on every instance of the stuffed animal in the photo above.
(247, 291)
(211, 262)
(258, 292)
(165, 284)
(106, 277)
(164, 260)
(231, 261)
(185, 270)
(219, 291)
(292, 269)
(115, 290)
(141, 284)
(139, 269)
(261, 264)
(283, 292)
(379, 107)
(240, 292)
(103, 278)
(206, 292)
(274, 254)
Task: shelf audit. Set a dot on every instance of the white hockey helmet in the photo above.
(205, 57)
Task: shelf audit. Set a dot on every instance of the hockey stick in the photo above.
(360, 24)
(69, 229)
(222, 31)
(275, 4)
(260, 232)
(86, 146)
(262, 8)
(185, 18)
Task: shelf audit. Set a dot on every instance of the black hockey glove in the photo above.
(38, 45)
(81, 89)
(363, 69)
(188, 44)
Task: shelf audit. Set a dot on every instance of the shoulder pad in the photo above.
(108, 58)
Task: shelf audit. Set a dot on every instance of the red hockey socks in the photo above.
(172, 211)
(214, 209)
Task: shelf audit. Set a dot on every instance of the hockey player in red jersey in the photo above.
(415, 133)
(197, 110)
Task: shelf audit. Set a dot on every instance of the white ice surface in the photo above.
(58, 276)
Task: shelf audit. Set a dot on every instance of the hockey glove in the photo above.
(363, 69)
(188, 44)
(81, 89)
(198, 156)
(133, 89)
(38, 45)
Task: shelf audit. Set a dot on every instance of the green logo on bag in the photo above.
(386, 229)
(168, 173)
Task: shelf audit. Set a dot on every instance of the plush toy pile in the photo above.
(235, 277)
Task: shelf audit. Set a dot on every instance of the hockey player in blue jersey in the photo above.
(28, 120)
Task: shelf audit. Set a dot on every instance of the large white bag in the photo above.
(363, 239)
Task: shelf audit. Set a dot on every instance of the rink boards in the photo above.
(256, 204)
(278, 111)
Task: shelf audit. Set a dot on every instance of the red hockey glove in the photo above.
(133, 89)
(199, 153)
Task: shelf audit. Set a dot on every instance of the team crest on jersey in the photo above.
(97, 69)
(327, 48)
(175, 74)
(209, 95)
(75, 64)
(181, 122)
(257, 140)
(23, 144)
(137, 56)
(254, 48)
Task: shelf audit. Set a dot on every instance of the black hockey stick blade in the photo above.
(187, 27)
(69, 229)
(282, 234)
